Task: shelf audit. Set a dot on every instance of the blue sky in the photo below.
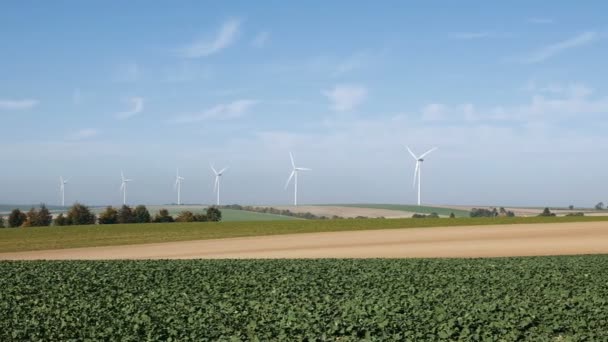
(514, 95)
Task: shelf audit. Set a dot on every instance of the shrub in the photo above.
(431, 215)
(452, 215)
(546, 212)
(1, 221)
(214, 214)
(80, 215)
(576, 214)
(141, 214)
(481, 212)
(108, 216)
(60, 220)
(185, 216)
(16, 218)
(163, 216)
(200, 218)
(125, 214)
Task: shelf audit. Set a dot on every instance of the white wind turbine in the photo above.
(294, 173)
(123, 187)
(178, 187)
(418, 171)
(62, 183)
(216, 186)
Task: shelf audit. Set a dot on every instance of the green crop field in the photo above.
(228, 215)
(412, 208)
(508, 299)
(39, 238)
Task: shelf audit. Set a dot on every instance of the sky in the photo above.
(513, 94)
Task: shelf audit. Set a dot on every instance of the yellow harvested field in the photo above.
(449, 242)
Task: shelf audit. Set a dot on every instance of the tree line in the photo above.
(80, 214)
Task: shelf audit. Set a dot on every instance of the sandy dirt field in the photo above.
(474, 241)
(346, 212)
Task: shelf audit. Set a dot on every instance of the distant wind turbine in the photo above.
(123, 187)
(178, 187)
(216, 186)
(62, 183)
(418, 170)
(294, 173)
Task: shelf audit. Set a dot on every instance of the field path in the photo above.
(470, 241)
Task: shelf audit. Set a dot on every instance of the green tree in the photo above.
(125, 214)
(1, 221)
(185, 216)
(571, 207)
(200, 218)
(163, 216)
(141, 214)
(547, 212)
(108, 216)
(599, 206)
(31, 218)
(214, 214)
(452, 215)
(80, 215)
(44, 216)
(60, 220)
(16, 218)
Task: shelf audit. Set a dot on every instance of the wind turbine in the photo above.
(216, 186)
(419, 160)
(178, 186)
(294, 173)
(123, 187)
(62, 183)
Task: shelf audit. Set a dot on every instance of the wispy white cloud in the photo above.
(478, 35)
(549, 51)
(434, 112)
(82, 134)
(227, 111)
(541, 21)
(137, 106)
(224, 38)
(261, 39)
(8, 104)
(346, 97)
(552, 102)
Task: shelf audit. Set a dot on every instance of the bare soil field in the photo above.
(449, 242)
(346, 212)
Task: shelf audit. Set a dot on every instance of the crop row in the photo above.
(543, 298)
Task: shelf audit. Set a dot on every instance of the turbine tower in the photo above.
(216, 186)
(418, 171)
(62, 183)
(294, 173)
(123, 187)
(178, 187)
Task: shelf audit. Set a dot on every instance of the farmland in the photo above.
(539, 298)
(41, 238)
(443, 211)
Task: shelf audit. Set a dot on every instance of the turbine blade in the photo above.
(303, 169)
(428, 152)
(122, 175)
(176, 183)
(416, 172)
(290, 177)
(412, 153)
(223, 170)
(217, 181)
(292, 162)
(122, 186)
(213, 168)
